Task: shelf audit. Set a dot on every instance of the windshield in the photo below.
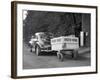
(44, 36)
(41, 35)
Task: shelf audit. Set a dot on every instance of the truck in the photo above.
(41, 42)
(48, 43)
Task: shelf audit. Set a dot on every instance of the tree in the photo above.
(58, 23)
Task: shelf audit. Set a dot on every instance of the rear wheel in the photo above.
(37, 50)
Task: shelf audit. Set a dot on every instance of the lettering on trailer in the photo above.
(53, 41)
(58, 40)
(68, 39)
(75, 40)
(65, 39)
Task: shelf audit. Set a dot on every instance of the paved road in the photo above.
(50, 60)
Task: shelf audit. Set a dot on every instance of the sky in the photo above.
(24, 14)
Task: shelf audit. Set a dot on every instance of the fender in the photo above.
(37, 43)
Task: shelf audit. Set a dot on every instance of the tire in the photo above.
(37, 50)
(75, 54)
(60, 56)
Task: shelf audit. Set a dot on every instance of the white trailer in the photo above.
(63, 44)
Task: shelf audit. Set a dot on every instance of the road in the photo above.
(50, 60)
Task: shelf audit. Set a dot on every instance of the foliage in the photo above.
(58, 23)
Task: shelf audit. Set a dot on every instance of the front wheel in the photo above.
(37, 50)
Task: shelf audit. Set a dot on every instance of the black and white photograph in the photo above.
(54, 39)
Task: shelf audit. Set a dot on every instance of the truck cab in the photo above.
(42, 42)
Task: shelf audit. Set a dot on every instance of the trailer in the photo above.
(63, 44)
